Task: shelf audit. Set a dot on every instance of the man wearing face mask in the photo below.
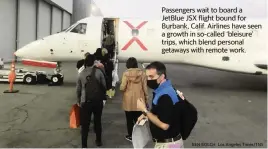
(163, 124)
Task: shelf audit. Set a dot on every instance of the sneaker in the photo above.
(129, 138)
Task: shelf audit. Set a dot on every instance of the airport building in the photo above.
(23, 21)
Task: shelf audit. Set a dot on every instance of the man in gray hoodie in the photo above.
(90, 106)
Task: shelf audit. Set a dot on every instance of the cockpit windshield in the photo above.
(68, 29)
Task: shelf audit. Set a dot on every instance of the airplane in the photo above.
(143, 39)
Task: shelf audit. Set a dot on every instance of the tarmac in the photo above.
(232, 111)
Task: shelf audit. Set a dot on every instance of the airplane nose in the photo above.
(17, 53)
(20, 53)
(29, 50)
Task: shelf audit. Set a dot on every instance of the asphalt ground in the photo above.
(232, 109)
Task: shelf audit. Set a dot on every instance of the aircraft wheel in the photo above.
(29, 79)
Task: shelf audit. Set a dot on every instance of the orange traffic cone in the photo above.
(11, 79)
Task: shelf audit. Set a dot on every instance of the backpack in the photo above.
(188, 116)
(94, 90)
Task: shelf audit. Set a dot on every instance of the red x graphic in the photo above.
(135, 38)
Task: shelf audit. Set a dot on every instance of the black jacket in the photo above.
(80, 63)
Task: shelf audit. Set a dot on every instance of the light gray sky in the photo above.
(152, 8)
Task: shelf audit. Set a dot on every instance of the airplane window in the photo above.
(80, 28)
(69, 28)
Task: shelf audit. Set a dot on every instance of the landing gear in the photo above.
(57, 78)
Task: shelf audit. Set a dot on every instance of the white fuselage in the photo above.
(70, 46)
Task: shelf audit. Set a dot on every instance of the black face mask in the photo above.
(152, 84)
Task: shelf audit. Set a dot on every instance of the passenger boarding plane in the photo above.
(143, 39)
